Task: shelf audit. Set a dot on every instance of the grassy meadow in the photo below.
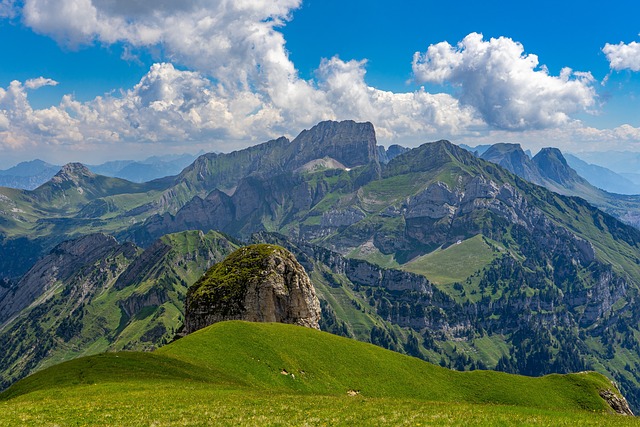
(238, 373)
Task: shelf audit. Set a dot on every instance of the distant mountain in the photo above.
(477, 150)
(633, 177)
(553, 168)
(602, 177)
(146, 170)
(512, 158)
(385, 155)
(618, 161)
(32, 174)
(27, 169)
(28, 175)
(75, 186)
(550, 169)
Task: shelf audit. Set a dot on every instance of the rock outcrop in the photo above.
(72, 172)
(257, 283)
(617, 401)
(553, 166)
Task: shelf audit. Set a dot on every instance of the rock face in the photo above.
(63, 262)
(617, 402)
(553, 167)
(73, 172)
(257, 283)
(350, 143)
(514, 159)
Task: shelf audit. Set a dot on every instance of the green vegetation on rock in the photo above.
(127, 300)
(226, 282)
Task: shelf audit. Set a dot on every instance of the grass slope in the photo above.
(455, 263)
(238, 373)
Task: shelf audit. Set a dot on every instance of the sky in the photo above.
(98, 80)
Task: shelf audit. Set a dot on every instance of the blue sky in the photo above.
(99, 80)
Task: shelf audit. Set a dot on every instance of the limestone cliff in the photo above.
(257, 283)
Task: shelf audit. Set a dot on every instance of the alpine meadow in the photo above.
(297, 213)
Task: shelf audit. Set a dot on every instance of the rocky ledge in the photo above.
(257, 283)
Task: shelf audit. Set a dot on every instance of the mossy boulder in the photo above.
(257, 283)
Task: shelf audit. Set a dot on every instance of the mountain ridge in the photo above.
(545, 283)
(550, 169)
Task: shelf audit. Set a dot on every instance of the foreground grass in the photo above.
(238, 373)
(166, 404)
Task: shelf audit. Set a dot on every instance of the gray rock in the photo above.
(617, 402)
(257, 283)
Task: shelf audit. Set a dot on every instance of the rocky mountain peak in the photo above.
(73, 172)
(514, 159)
(512, 149)
(553, 166)
(257, 283)
(430, 156)
(348, 142)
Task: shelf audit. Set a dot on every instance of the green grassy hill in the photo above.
(238, 373)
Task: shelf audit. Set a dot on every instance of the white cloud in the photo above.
(39, 82)
(574, 137)
(235, 42)
(507, 87)
(395, 115)
(243, 88)
(7, 8)
(170, 105)
(623, 56)
(237, 45)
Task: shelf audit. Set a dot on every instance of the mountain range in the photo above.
(549, 168)
(30, 175)
(470, 262)
(602, 177)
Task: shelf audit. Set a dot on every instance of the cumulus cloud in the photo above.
(237, 45)
(623, 56)
(39, 82)
(394, 114)
(166, 105)
(170, 105)
(235, 42)
(507, 87)
(240, 84)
